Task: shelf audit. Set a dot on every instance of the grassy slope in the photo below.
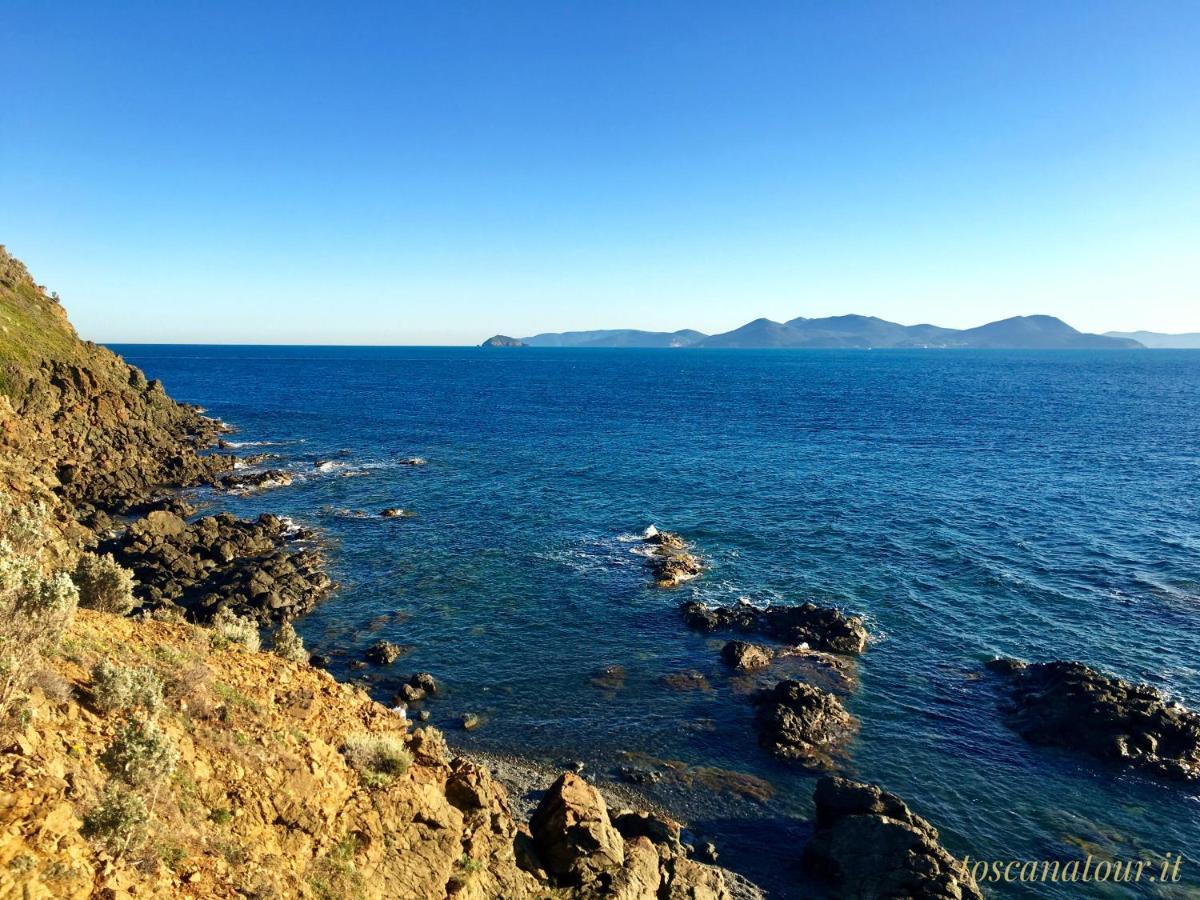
(33, 327)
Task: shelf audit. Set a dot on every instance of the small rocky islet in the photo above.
(1072, 705)
(670, 559)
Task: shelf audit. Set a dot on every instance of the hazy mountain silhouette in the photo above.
(1158, 340)
(852, 332)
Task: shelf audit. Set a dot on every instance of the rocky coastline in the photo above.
(305, 784)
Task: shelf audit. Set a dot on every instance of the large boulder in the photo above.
(1072, 705)
(745, 656)
(574, 836)
(632, 856)
(819, 627)
(799, 723)
(868, 843)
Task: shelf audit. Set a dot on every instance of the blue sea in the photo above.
(970, 504)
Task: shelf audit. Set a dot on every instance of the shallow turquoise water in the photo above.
(1042, 505)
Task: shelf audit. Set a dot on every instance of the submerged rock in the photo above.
(669, 558)
(1069, 704)
(869, 844)
(818, 627)
(395, 512)
(610, 678)
(689, 680)
(802, 724)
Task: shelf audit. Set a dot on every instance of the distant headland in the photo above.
(845, 332)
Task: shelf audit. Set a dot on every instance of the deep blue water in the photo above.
(1036, 504)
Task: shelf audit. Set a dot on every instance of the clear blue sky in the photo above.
(434, 172)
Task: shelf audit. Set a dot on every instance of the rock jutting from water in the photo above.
(384, 653)
(819, 627)
(256, 481)
(417, 688)
(1070, 704)
(747, 657)
(799, 723)
(632, 856)
(868, 843)
(670, 560)
(251, 567)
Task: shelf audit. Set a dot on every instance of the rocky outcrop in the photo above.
(254, 568)
(799, 723)
(632, 857)
(669, 558)
(417, 688)
(1069, 704)
(747, 657)
(81, 427)
(248, 482)
(819, 627)
(868, 843)
(384, 653)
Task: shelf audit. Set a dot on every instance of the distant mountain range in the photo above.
(1160, 341)
(846, 332)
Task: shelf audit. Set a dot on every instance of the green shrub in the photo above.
(376, 758)
(140, 754)
(220, 815)
(230, 628)
(104, 585)
(287, 644)
(117, 689)
(35, 607)
(119, 822)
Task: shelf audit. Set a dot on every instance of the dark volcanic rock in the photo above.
(820, 627)
(220, 561)
(1072, 705)
(869, 844)
(669, 558)
(800, 723)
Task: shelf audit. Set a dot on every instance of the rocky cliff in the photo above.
(79, 428)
